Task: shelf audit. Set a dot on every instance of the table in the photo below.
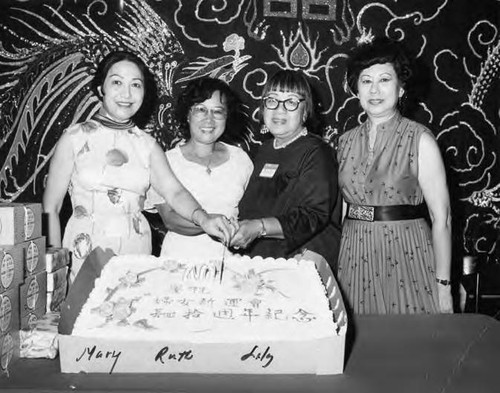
(421, 353)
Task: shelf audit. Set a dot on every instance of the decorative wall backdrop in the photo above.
(49, 50)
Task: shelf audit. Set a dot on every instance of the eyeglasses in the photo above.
(290, 104)
(203, 111)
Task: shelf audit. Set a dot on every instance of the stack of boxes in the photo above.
(40, 341)
(33, 292)
(23, 277)
(33, 280)
(11, 276)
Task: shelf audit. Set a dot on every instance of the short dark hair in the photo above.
(380, 51)
(201, 89)
(294, 82)
(143, 115)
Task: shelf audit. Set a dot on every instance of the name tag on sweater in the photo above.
(268, 170)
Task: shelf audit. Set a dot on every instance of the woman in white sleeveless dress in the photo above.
(216, 173)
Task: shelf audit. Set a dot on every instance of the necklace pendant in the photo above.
(208, 170)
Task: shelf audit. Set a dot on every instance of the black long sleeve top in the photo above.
(298, 186)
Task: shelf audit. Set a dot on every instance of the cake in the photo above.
(238, 316)
(142, 297)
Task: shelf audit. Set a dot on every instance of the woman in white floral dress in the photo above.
(107, 164)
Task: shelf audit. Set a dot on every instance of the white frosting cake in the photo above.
(140, 297)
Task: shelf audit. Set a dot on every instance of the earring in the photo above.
(264, 129)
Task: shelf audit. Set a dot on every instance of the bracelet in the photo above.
(263, 231)
(443, 282)
(199, 208)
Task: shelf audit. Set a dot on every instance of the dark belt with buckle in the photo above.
(386, 213)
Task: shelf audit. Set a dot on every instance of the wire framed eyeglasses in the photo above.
(202, 111)
(290, 104)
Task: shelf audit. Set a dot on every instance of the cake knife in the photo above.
(222, 262)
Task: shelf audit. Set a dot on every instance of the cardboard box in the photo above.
(20, 222)
(11, 267)
(320, 356)
(30, 319)
(9, 311)
(9, 351)
(56, 258)
(33, 294)
(34, 256)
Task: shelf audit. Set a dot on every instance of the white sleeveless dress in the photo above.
(217, 192)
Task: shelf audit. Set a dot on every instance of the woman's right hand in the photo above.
(216, 225)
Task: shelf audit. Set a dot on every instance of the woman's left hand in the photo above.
(247, 232)
(445, 299)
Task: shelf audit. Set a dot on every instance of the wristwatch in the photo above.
(443, 282)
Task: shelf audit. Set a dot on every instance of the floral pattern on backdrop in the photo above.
(49, 51)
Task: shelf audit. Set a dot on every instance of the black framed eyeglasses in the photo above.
(290, 104)
(202, 111)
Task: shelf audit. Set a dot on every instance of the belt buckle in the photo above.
(360, 212)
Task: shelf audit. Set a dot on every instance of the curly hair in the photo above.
(201, 89)
(380, 51)
(143, 115)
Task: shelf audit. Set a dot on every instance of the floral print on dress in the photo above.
(84, 149)
(89, 126)
(80, 211)
(110, 176)
(82, 245)
(116, 157)
(114, 195)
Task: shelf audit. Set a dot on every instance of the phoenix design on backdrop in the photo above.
(46, 83)
(48, 56)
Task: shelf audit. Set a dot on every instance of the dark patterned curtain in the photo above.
(49, 50)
